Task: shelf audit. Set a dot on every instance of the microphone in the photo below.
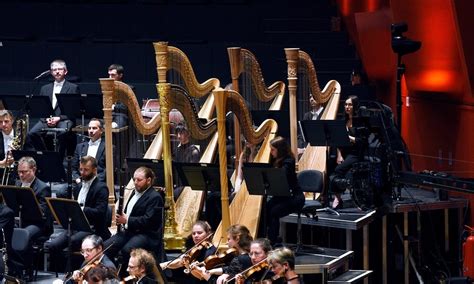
(42, 74)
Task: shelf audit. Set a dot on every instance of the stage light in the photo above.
(401, 44)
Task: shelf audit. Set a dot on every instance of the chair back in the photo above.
(310, 180)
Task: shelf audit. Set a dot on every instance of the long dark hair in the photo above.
(355, 106)
(283, 151)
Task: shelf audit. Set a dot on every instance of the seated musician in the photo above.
(36, 228)
(260, 269)
(95, 147)
(59, 120)
(238, 240)
(277, 206)
(142, 267)
(346, 156)
(119, 110)
(247, 156)
(6, 125)
(282, 261)
(92, 195)
(142, 219)
(101, 274)
(314, 114)
(199, 250)
(186, 152)
(92, 250)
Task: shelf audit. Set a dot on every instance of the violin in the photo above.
(210, 262)
(186, 258)
(93, 262)
(129, 279)
(259, 266)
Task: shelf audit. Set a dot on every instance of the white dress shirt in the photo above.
(7, 141)
(56, 90)
(132, 203)
(81, 199)
(93, 148)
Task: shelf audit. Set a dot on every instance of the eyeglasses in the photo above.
(87, 250)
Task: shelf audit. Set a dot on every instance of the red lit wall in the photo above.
(438, 103)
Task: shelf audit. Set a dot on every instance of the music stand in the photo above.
(69, 215)
(48, 164)
(328, 133)
(23, 201)
(81, 105)
(200, 176)
(265, 180)
(33, 106)
(154, 164)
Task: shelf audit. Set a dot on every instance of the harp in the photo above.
(174, 66)
(303, 81)
(248, 79)
(175, 96)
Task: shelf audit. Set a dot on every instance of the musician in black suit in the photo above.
(314, 114)
(6, 126)
(142, 219)
(93, 196)
(119, 110)
(57, 120)
(95, 147)
(27, 178)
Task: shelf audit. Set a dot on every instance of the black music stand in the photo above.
(69, 215)
(265, 180)
(23, 201)
(81, 105)
(328, 133)
(33, 106)
(154, 164)
(49, 165)
(200, 176)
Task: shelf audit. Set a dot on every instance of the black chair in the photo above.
(309, 181)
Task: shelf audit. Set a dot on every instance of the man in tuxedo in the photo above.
(119, 110)
(35, 226)
(314, 114)
(92, 248)
(27, 178)
(142, 220)
(6, 125)
(57, 120)
(143, 266)
(92, 195)
(95, 147)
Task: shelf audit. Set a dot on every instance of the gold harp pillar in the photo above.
(235, 68)
(220, 97)
(109, 96)
(172, 240)
(292, 60)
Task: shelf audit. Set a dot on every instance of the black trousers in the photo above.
(278, 207)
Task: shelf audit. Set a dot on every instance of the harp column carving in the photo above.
(220, 97)
(292, 60)
(109, 96)
(173, 241)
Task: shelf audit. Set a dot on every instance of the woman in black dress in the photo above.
(277, 207)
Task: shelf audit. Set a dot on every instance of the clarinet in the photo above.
(4, 252)
(120, 197)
